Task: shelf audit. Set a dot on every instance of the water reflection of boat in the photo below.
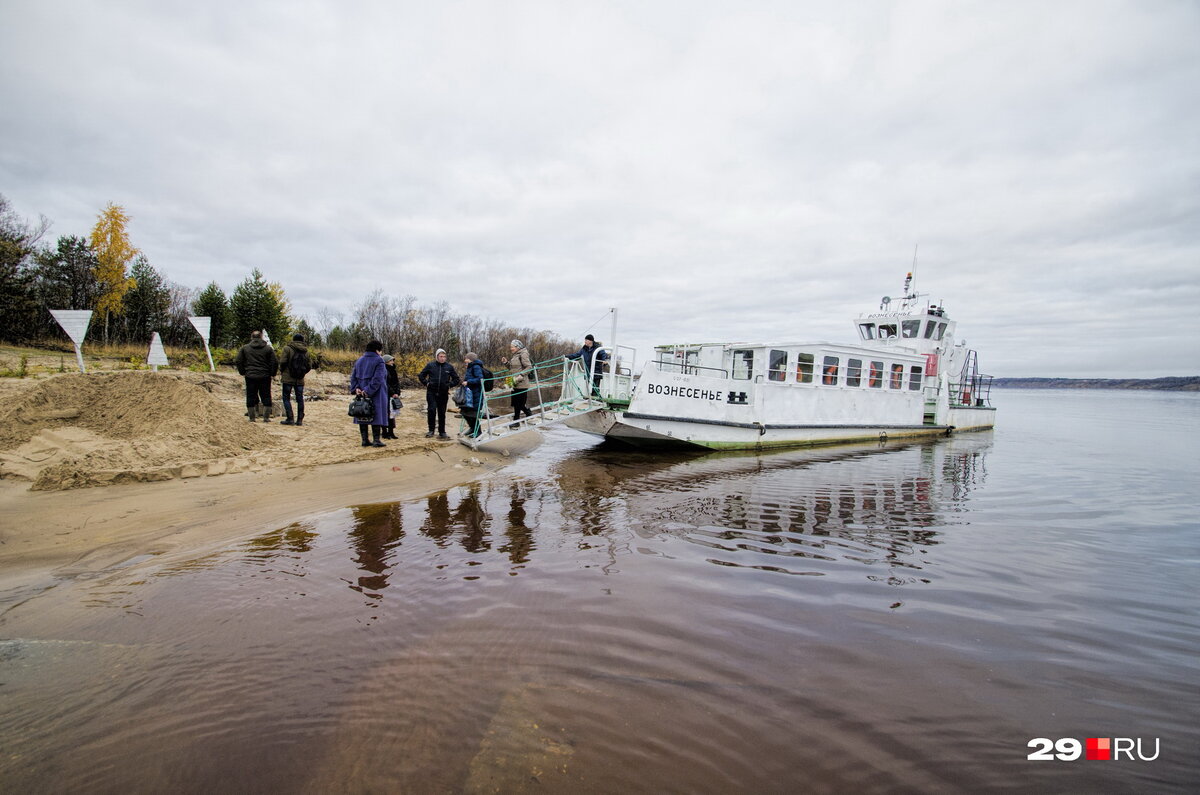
(864, 503)
(905, 377)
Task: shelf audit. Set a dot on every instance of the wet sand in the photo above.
(96, 528)
(90, 480)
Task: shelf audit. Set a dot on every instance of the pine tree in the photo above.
(211, 303)
(66, 276)
(147, 304)
(254, 305)
(18, 242)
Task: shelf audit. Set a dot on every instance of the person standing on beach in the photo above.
(294, 364)
(257, 363)
(393, 388)
(438, 378)
(369, 378)
(520, 368)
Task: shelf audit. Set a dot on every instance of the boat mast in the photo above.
(612, 340)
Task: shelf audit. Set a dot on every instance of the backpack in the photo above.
(299, 364)
(489, 379)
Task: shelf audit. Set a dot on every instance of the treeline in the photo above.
(1169, 383)
(132, 299)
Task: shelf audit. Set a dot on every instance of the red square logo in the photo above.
(1099, 748)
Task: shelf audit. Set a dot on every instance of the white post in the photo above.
(157, 354)
(75, 322)
(204, 325)
(612, 364)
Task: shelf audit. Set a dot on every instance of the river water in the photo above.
(867, 619)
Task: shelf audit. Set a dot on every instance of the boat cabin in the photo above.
(812, 365)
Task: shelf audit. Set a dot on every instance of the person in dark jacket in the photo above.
(473, 381)
(393, 388)
(589, 347)
(290, 382)
(438, 378)
(369, 378)
(257, 363)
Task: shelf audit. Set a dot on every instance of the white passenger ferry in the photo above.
(904, 377)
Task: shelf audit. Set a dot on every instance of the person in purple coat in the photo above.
(369, 377)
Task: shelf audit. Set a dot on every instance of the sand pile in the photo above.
(84, 430)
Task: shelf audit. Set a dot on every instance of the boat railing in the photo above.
(616, 384)
(975, 391)
(691, 369)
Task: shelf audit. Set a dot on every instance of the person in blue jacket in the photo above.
(473, 380)
(369, 377)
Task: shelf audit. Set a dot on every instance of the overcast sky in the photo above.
(716, 170)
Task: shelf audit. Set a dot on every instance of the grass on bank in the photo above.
(25, 362)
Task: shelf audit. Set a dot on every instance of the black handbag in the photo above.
(361, 408)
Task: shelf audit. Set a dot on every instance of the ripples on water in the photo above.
(590, 619)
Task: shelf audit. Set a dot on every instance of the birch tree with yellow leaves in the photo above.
(114, 252)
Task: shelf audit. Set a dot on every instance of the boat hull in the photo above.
(643, 430)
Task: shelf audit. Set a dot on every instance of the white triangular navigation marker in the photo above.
(157, 354)
(204, 326)
(75, 322)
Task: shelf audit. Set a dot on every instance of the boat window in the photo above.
(914, 377)
(778, 366)
(853, 372)
(930, 325)
(897, 379)
(829, 373)
(886, 331)
(804, 367)
(941, 330)
(866, 331)
(743, 365)
(875, 376)
(911, 329)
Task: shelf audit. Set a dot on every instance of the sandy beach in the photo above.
(106, 467)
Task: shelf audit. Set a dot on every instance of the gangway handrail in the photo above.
(574, 397)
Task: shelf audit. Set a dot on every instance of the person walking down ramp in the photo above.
(520, 367)
(257, 363)
(294, 364)
(473, 381)
(369, 378)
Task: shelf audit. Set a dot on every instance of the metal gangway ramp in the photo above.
(565, 378)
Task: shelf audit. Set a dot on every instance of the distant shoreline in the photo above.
(1170, 384)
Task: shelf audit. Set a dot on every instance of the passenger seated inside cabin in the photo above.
(897, 376)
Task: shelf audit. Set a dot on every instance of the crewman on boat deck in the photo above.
(585, 353)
